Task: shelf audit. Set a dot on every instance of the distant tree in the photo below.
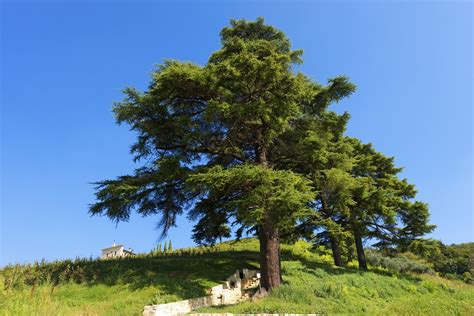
(316, 147)
(429, 249)
(170, 246)
(358, 191)
(454, 261)
(384, 207)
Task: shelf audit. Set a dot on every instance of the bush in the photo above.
(467, 277)
(453, 262)
(396, 264)
(302, 249)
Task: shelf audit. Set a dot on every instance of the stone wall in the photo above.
(177, 308)
(234, 290)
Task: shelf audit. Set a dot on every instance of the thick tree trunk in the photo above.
(360, 250)
(336, 251)
(269, 256)
(270, 265)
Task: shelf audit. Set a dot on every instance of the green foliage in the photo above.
(426, 248)
(397, 264)
(256, 191)
(454, 262)
(301, 249)
(358, 192)
(384, 206)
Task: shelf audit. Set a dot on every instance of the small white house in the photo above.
(116, 251)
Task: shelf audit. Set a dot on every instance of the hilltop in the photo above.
(311, 284)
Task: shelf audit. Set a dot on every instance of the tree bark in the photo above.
(336, 251)
(279, 262)
(360, 250)
(269, 256)
(270, 265)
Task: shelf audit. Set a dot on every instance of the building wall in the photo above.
(112, 252)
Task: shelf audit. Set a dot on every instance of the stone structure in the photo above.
(238, 287)
(116, 251)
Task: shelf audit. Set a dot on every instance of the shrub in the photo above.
(396, 264)
(302, 249)
(467, 277)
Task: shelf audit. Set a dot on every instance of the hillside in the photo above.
(311, 284)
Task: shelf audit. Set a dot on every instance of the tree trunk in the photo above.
(269, 256)
(336, 251)
(270, 265)
(360, 250)
(279, 262)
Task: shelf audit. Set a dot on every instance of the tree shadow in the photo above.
(181, 275)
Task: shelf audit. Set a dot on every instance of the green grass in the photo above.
(313, 288)
(311, 285)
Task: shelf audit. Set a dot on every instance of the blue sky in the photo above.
(63, 66)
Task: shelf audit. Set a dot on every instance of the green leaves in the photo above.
(250, 191)
(339, 87)
(158, 190)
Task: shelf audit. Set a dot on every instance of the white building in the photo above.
(116, 251)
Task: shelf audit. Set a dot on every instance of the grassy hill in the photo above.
(311, 284)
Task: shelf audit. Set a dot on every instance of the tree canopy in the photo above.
(247, 142)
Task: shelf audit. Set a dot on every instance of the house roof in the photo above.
(113, 247)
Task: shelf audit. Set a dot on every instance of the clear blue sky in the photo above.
(63, 65)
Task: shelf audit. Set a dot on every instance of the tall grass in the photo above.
(311, 284)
